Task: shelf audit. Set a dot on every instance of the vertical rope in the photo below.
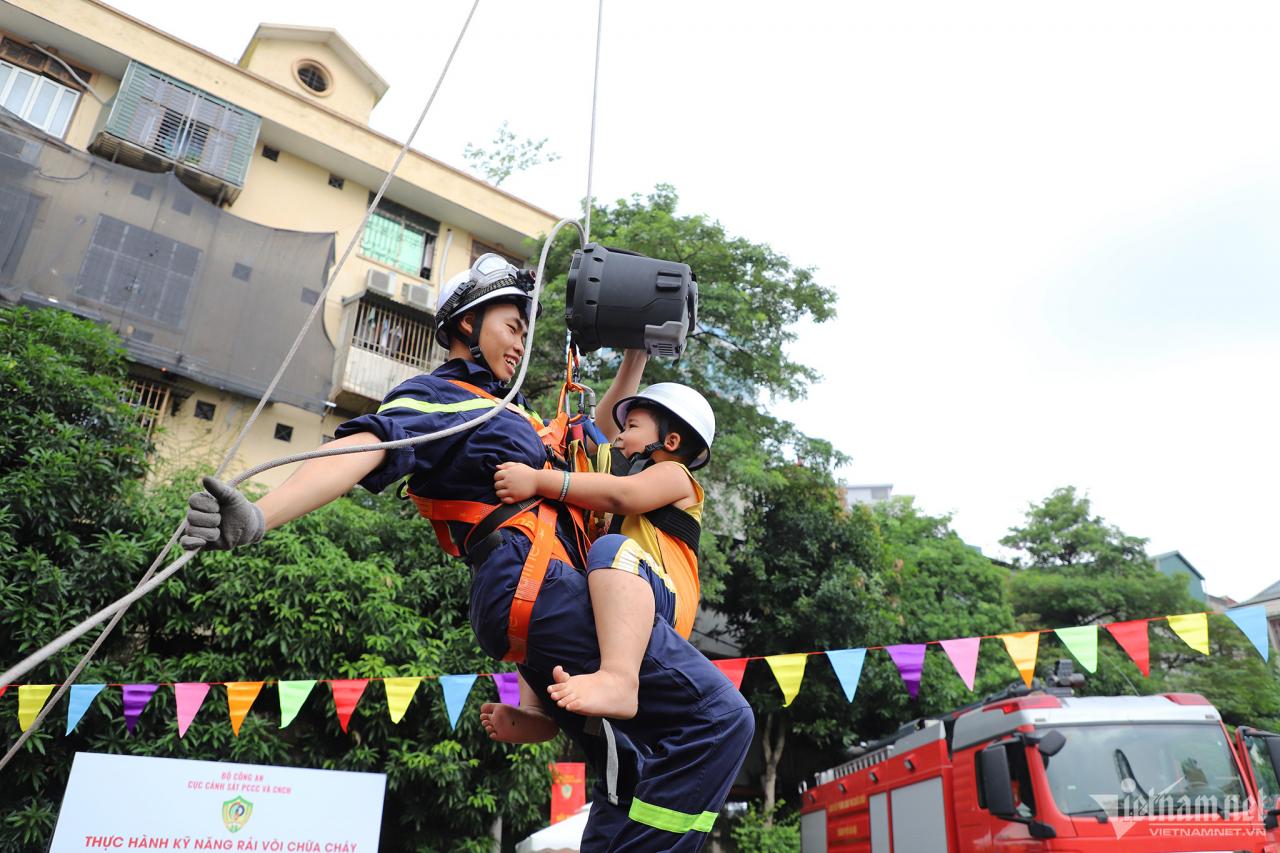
(591, 147)
(262, 402)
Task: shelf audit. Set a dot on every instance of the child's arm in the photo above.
(625, 384)
(656, 486)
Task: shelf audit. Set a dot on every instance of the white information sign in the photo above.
(126, 802)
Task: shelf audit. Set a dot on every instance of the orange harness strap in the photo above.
(541, 530)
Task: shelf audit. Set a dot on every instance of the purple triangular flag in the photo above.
(508, 687)
(964, 657)
(136, 697)
(909, 658)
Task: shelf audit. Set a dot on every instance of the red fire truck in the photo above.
(1044, 771)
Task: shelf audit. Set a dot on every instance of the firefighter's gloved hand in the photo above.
(220, 518)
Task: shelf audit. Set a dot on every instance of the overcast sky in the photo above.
(1054, 229)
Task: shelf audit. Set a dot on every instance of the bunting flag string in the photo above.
(1192, 629)
(399, 693)
(456, 690)
(848, 666)
(508, 687)
(78, 702)
(240, 698)
(733, 669)
(964, 657)
(188, 696)
(1023, 648)
(1082, 642)
(292, 695)
(31, 698)
(136, 697)
(1252, 622)
(346, 695)
(1132, 637)
(787, 669)
(909, 659)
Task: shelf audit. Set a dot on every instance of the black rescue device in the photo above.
(624, 300)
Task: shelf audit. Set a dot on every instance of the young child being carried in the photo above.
(648, 562)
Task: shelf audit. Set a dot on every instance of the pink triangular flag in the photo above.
(733, 668)
(190, 696)
(964, 657)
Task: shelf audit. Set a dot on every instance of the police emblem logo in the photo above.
(235, 813)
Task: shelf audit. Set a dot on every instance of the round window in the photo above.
(313, 76)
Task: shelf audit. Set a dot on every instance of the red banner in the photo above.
(568, 789)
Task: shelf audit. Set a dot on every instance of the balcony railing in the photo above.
(386, 344)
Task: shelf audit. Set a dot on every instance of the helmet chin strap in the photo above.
(473, 345)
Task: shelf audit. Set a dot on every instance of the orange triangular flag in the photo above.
(346, 695)
(1023, 648)
(240, 696)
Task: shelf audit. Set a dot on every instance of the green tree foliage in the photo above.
(808, 576)
(357, 589)
(940, 588)
(1076, 569)
(509, 154)
(750, 300)
(760, 833)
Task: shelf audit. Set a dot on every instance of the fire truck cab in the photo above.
(1047, 771)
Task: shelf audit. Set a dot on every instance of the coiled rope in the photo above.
(152, 579)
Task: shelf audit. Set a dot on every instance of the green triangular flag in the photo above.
(1082, 642)
(292, 695)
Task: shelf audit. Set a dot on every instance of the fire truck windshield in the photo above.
(1139, 769)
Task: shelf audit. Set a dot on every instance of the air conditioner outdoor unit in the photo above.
(381, 282)
(419, 296)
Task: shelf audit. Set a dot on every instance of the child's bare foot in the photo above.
(596, 694)
(510, 724)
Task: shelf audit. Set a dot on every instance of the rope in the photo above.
(591, 147)
(148, 582)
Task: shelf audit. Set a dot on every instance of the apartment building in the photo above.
(196, 206)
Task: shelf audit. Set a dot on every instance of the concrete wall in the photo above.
(275, 59)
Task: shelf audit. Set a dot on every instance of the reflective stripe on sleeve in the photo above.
(436, 408)
(670, 819)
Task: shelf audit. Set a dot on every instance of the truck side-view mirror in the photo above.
(1052, 742)
(995, 781)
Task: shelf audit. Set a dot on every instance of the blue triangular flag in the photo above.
(1253, 622)
(848, 666)
(456, 689)
(81, 697)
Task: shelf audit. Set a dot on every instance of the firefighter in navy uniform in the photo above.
(529, 600)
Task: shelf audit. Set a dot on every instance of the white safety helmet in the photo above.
(681, 402)
(490, 278)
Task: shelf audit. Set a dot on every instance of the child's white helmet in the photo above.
(682, 402)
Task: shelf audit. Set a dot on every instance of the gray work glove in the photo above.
(220, 518)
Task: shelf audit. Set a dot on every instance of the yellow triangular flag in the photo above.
(399, 693)
(1023, 648)
(789, 670)
(1193, 628)
(240, 696)
(31, 699)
